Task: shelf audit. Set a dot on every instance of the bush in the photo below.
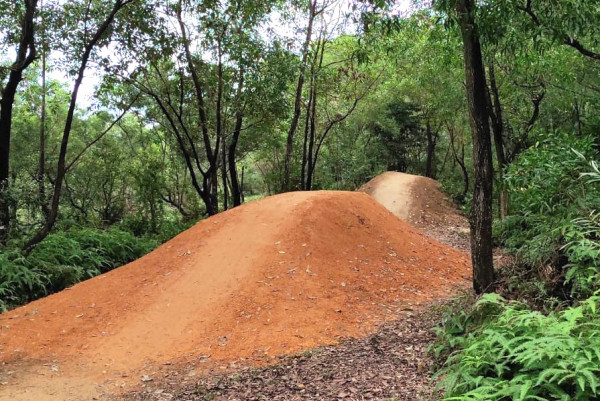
(502, 351)
(17, 280)
(140, 226)
(552, 199)
(64, 259)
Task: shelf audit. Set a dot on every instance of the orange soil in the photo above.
(417, 200)
(272, 277)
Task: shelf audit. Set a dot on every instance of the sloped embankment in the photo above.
(272, 277)
(419, 201)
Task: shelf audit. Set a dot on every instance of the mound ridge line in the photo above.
(271, 277)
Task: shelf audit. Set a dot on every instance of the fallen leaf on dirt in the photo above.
(393, 363)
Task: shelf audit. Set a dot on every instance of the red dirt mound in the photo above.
(272, 277)
(419, 201)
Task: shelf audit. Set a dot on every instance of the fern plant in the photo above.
(64, 259)
(518, 354)
(582, 248)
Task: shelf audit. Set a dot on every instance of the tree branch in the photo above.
(102, 134)
(566, 39)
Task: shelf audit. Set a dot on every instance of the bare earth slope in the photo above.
(272, 277)
(419, 201)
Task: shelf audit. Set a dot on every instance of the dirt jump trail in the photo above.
(419, 201)
(269, 278)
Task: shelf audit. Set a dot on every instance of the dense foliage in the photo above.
(499, 350)
(556, 227)
(65, 258)
(505, 351)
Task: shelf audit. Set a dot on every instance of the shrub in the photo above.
(503, 351)
(17, 281)
(552, 224)
(64, 259)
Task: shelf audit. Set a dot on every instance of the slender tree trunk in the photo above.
(497, 119)
(242, 184)
(312, 4)
(213, 184)
(26, 53)
(61, 165)
(224, 174)
(443, 167)
(184, 139)
(311, 137)
(326, 131)
(41, 177)
(219, 122)
(305, 155)
(431, 142)
(311, 112)
(202, 190)
(481, 207)
(210, 179)
(236, 190)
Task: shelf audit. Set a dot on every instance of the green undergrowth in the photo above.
(540, 339)
(554, 225)
(66, 258)
(502, 350)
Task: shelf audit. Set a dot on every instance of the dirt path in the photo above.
(391, 364)
(271, 278)
(394, 191)
(419, 201)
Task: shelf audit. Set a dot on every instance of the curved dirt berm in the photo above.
(272, 277)
(420, 201)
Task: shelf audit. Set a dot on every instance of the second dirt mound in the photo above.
(272, 277)
(420, 201)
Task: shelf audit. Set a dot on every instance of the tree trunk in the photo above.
(495, 108)
(311, 113)
(210, 179)
(41, 177)
(317, 142)
(224, 175)
(25, 55)
(242, 184)
(312, 4)
(431, 142)
(311, 136)
(202, 190)
(305, 155)
(481, 207)
(61, 165)
(219, 123)
(326, 131)
(443, 167)
(236, 190)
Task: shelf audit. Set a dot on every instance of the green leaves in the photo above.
(519, 354)
(553, 223)
(64, 259)
(582, 247)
